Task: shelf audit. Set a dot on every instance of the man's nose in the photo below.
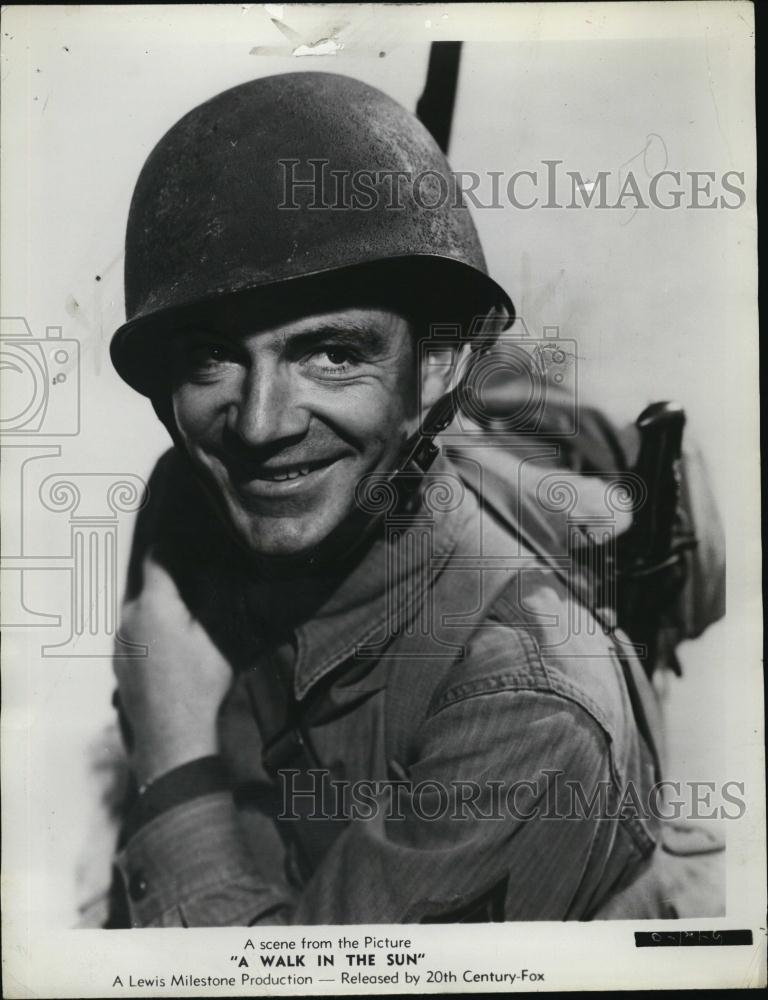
(268, 408)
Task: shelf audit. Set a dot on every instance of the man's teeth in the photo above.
(279, 477)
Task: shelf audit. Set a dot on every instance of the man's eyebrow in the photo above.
(349, 333)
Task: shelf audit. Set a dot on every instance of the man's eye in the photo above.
(333, 360)
(336, 355)
(209, 354)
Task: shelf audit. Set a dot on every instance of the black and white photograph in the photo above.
(380, 499)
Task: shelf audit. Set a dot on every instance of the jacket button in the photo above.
(137, 887)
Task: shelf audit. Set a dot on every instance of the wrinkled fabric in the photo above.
(538, 692)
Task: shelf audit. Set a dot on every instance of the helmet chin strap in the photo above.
(420, 450)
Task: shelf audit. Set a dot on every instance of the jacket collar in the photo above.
(388, 583)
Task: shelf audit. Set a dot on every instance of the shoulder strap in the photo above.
(410, 687)
(414, 674)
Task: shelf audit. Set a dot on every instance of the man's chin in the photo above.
(282, 540)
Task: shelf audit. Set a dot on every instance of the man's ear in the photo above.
(437, 373)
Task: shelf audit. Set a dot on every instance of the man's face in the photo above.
(284, 417)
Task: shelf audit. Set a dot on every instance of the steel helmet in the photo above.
(220, 207)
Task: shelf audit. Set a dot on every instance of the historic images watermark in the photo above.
(313, 184)
(316, 795)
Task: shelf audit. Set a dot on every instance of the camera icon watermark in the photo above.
(41, 381)
(72, 573)
(516, 384)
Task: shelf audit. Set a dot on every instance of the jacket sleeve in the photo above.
(490, 804)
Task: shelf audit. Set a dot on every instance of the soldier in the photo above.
(368, 696)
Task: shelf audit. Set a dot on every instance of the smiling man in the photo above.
(283, 417)
(368, 696)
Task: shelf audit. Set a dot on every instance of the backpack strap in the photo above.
(410, 686)
(415, 673)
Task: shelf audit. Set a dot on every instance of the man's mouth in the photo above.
(279, 481)
(282, 473)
